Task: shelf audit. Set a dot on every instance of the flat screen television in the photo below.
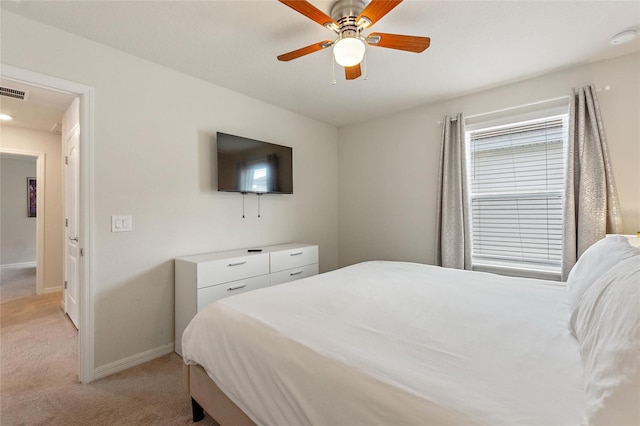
(247, 165)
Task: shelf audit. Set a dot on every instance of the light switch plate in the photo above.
(121, 224)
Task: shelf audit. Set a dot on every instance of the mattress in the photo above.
(394, 343)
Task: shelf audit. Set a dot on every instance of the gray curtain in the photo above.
(453, 237)
(591, 207)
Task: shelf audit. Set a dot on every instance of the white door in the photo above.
(71, 137)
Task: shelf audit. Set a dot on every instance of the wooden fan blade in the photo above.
(376, 10)
(311, 12)
(401, 42)
(351, 73)
(305, 50)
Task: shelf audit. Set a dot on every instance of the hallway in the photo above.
(16, 283)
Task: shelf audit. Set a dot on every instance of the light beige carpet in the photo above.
(16, 283)
(39, 381)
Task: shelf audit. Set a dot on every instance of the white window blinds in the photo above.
(516, 176)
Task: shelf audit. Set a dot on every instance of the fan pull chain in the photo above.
(333, 70)
(243, 194)
(259, 194)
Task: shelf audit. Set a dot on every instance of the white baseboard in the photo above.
(22, 265)
(132, 361)
(52, 289)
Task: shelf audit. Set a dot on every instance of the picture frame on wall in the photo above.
(31, 197)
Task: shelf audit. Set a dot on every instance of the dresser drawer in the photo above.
(294, 258)
(224, 270)
(215, 292)
(294, 274)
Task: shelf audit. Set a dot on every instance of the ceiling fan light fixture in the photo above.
(348, 51)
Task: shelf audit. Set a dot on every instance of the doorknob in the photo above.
(76, 239)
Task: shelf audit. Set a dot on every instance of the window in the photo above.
(516, 181)
(255, 176)
(259, 179)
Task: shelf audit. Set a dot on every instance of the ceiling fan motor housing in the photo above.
(345, 13)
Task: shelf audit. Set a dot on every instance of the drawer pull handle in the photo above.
(236, 287)
(237, 263)
(298, 253)
(295, 273)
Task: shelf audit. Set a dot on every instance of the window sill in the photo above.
(538, 272)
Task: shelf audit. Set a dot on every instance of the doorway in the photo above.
(85, 315)
(18, 227)
(22, 152)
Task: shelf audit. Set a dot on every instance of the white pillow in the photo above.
(594, 262)
(606, 322)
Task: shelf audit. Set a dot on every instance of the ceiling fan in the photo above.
(348, 19)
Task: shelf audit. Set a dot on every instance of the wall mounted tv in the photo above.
(247, 165)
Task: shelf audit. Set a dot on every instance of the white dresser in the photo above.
(204, 278)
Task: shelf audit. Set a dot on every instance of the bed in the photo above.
(393, 343)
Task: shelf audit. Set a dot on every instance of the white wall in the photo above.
(154, 132)
(389, 166)
(49, 144)
(17, 229)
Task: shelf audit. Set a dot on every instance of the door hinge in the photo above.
(66, 160)
(66, 223)
(81, 252)
(65, 285)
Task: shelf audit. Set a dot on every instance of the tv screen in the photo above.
(247, 165)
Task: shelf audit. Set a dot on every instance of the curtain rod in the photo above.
(546, 101)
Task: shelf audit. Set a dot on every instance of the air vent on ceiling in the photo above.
(14, 93)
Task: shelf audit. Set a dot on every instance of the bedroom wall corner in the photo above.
(385, 188)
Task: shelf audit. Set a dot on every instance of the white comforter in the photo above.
(394, 343)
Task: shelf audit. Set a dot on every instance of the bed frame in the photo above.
(207, 396)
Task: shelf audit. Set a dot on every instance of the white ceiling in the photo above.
(234, 44)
